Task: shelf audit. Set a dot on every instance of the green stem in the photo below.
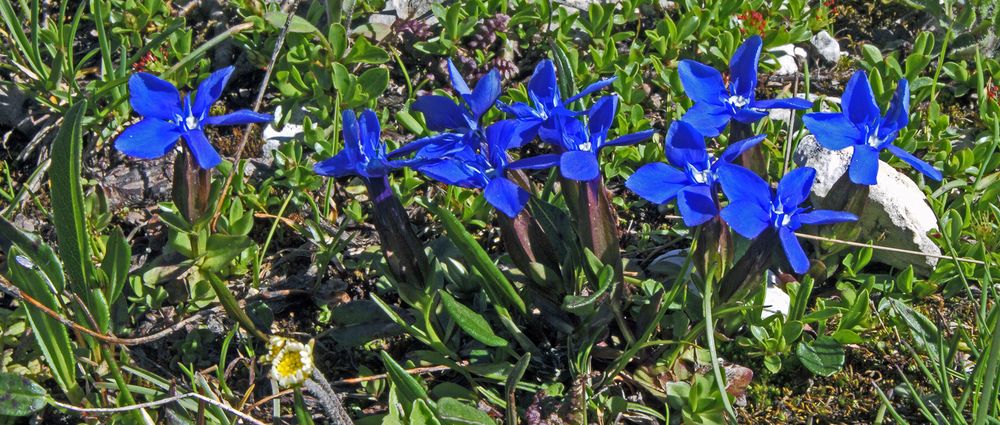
(710, 337)
(139, 415)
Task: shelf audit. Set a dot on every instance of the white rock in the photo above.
(776, 300)
(897, 214)
(787, 56)
(274, 136)
(826, 46)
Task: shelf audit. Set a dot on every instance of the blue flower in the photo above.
(715, 103)
(486, 169)
(752, 208)
(547, 104)
(165, 118)
(581, 145)
(462, 118)
(861, 125)
(693, 177)
(364, 153)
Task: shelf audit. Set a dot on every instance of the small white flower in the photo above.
(291, 361)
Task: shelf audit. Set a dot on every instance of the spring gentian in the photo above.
(461, 118)
(486, 169)
(692, 175)
(364, 153)
(752, 208)
(547, 104)
(165, 118)
(581, 145)
(861, 125)
(715, 103)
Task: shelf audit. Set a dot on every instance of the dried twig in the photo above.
(168, 400)
(256, 106)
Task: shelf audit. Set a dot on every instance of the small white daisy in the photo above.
(291, 361)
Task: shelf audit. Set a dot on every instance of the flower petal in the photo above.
(832, 130)
(826, 217)
(600, 118)
(708, 118)
(370, 132)
(152, 97)
(864, 165)
(746, 218)
(783, 103)
(518, 109)
(734, 150)
(209, 90)
(543, 88)
(442, 142)
(657, 182)
(696, 205)
(630, 139)
(579, 165)
(793, 250)
(485, 95)
(743, 68)
(337, 166)
(685, 145)
(749, 115)
(147, 139)
(441, 113)
(794, 187)
(743, 186)
(898, 115)
(918, 164)
(351, 131)
(457, 82)
(591, 89)
(202, 150)
(858, 102)
(701, 82)
(537, 162)
(455, 172)
(506, 196)
(243, 116)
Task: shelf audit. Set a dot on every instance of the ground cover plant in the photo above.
(499, 211)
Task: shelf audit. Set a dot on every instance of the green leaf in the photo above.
(221, 249)
(299, 24)
(471, 322)
(495, 283)
(408, 389)
(338, 40)
(20, 396)
(824, 356)
(116, 263)
(374, 81)
(421, 414)
(453, 412)
(67, 198)
(41, 254)
(364, 51)
(51, 335)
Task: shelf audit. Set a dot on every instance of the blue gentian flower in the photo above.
(861, 125)
(547, 103)
(692, 175)
(581, 145)
(486, 169)
(364, 153)
(441, 113)
(715, 103)
(752, 208)
(165, 118)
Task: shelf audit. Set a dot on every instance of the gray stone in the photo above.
(826, 46)
(896, 215)
(787, 57)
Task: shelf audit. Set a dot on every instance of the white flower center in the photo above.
(191, 122)
(585, 146)
(738, 101)
(873, 140)
(700, 176)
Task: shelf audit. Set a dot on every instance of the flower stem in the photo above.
(192, 186)
(752, 158)
(749, 268)
(523, 236)
(403, 250)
